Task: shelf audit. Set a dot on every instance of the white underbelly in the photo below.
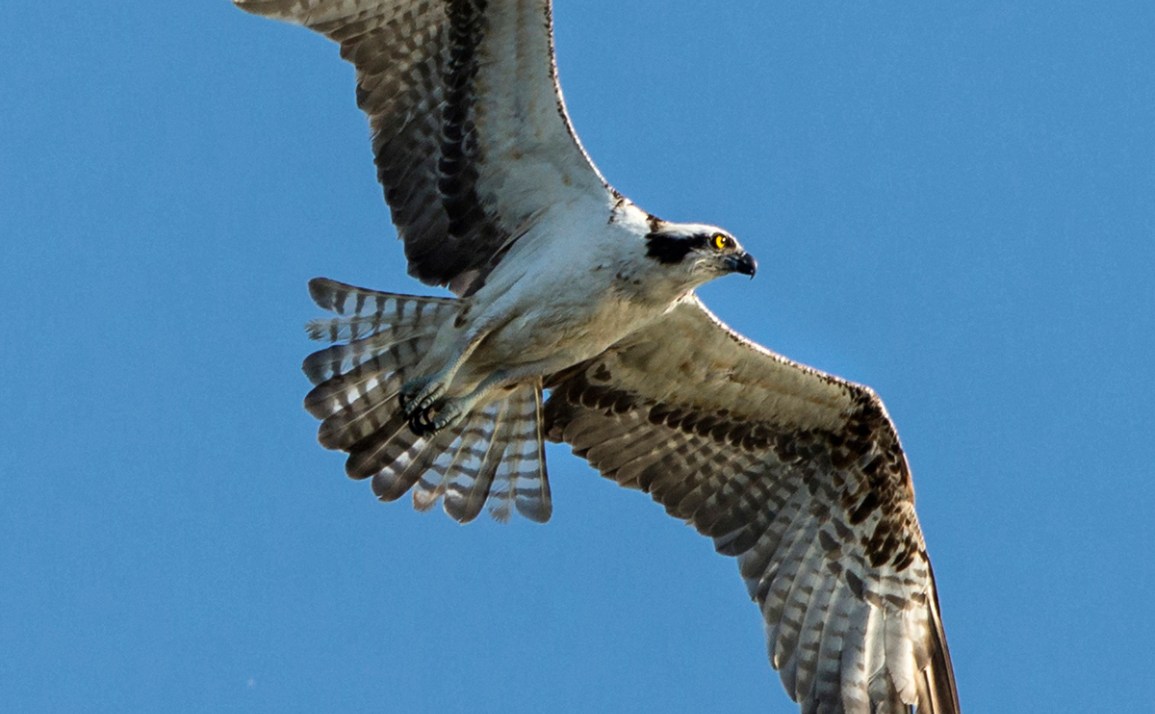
(563, 335)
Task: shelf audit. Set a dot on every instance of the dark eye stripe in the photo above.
(672, 249)
(667, 248)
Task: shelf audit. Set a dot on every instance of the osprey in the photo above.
(798, 474)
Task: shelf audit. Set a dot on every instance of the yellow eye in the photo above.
(721, 242)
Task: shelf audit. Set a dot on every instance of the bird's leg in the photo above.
(419, 395)
(454, 410)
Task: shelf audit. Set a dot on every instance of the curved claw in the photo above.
(434, 418)
(423, 422)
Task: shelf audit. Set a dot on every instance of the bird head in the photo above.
(705, 252)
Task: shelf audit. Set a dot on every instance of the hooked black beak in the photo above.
(744, 264)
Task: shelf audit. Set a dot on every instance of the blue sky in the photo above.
(953, 203)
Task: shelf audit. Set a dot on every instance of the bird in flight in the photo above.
(563, 285)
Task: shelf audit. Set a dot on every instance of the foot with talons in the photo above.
(422, 421)
(419, 395)
(434, 418)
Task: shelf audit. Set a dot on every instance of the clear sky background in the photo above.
(951, 202)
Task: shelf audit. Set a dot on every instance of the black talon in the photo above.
(416, 427)
(423, 423)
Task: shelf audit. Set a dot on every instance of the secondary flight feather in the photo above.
(563, 284)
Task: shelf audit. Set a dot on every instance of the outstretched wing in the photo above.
(470, 133)
(797, 473)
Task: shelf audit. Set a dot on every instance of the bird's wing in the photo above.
(470, 133)
(797, 473)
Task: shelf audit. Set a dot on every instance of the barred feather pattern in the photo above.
(495, 455)
(469, 130)
(801, 477)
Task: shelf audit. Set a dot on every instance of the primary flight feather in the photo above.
(565, 285)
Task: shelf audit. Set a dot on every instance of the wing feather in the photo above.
(797, 473)
(853, 664)
(813, 630)
(470, 133)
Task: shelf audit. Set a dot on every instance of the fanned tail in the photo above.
(494, 455)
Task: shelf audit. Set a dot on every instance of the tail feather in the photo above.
(336, 329)
(495, 455)
(398, 344)
(469, 479)
(355, 410)
(497, 458)
(357, 383)
(365, 312)
(524, 481)
(511, 436)
(431, 486)
(383, 307)
(346, 392)
(383, 455)
(354, 405)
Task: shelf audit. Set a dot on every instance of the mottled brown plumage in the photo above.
(798, 474)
